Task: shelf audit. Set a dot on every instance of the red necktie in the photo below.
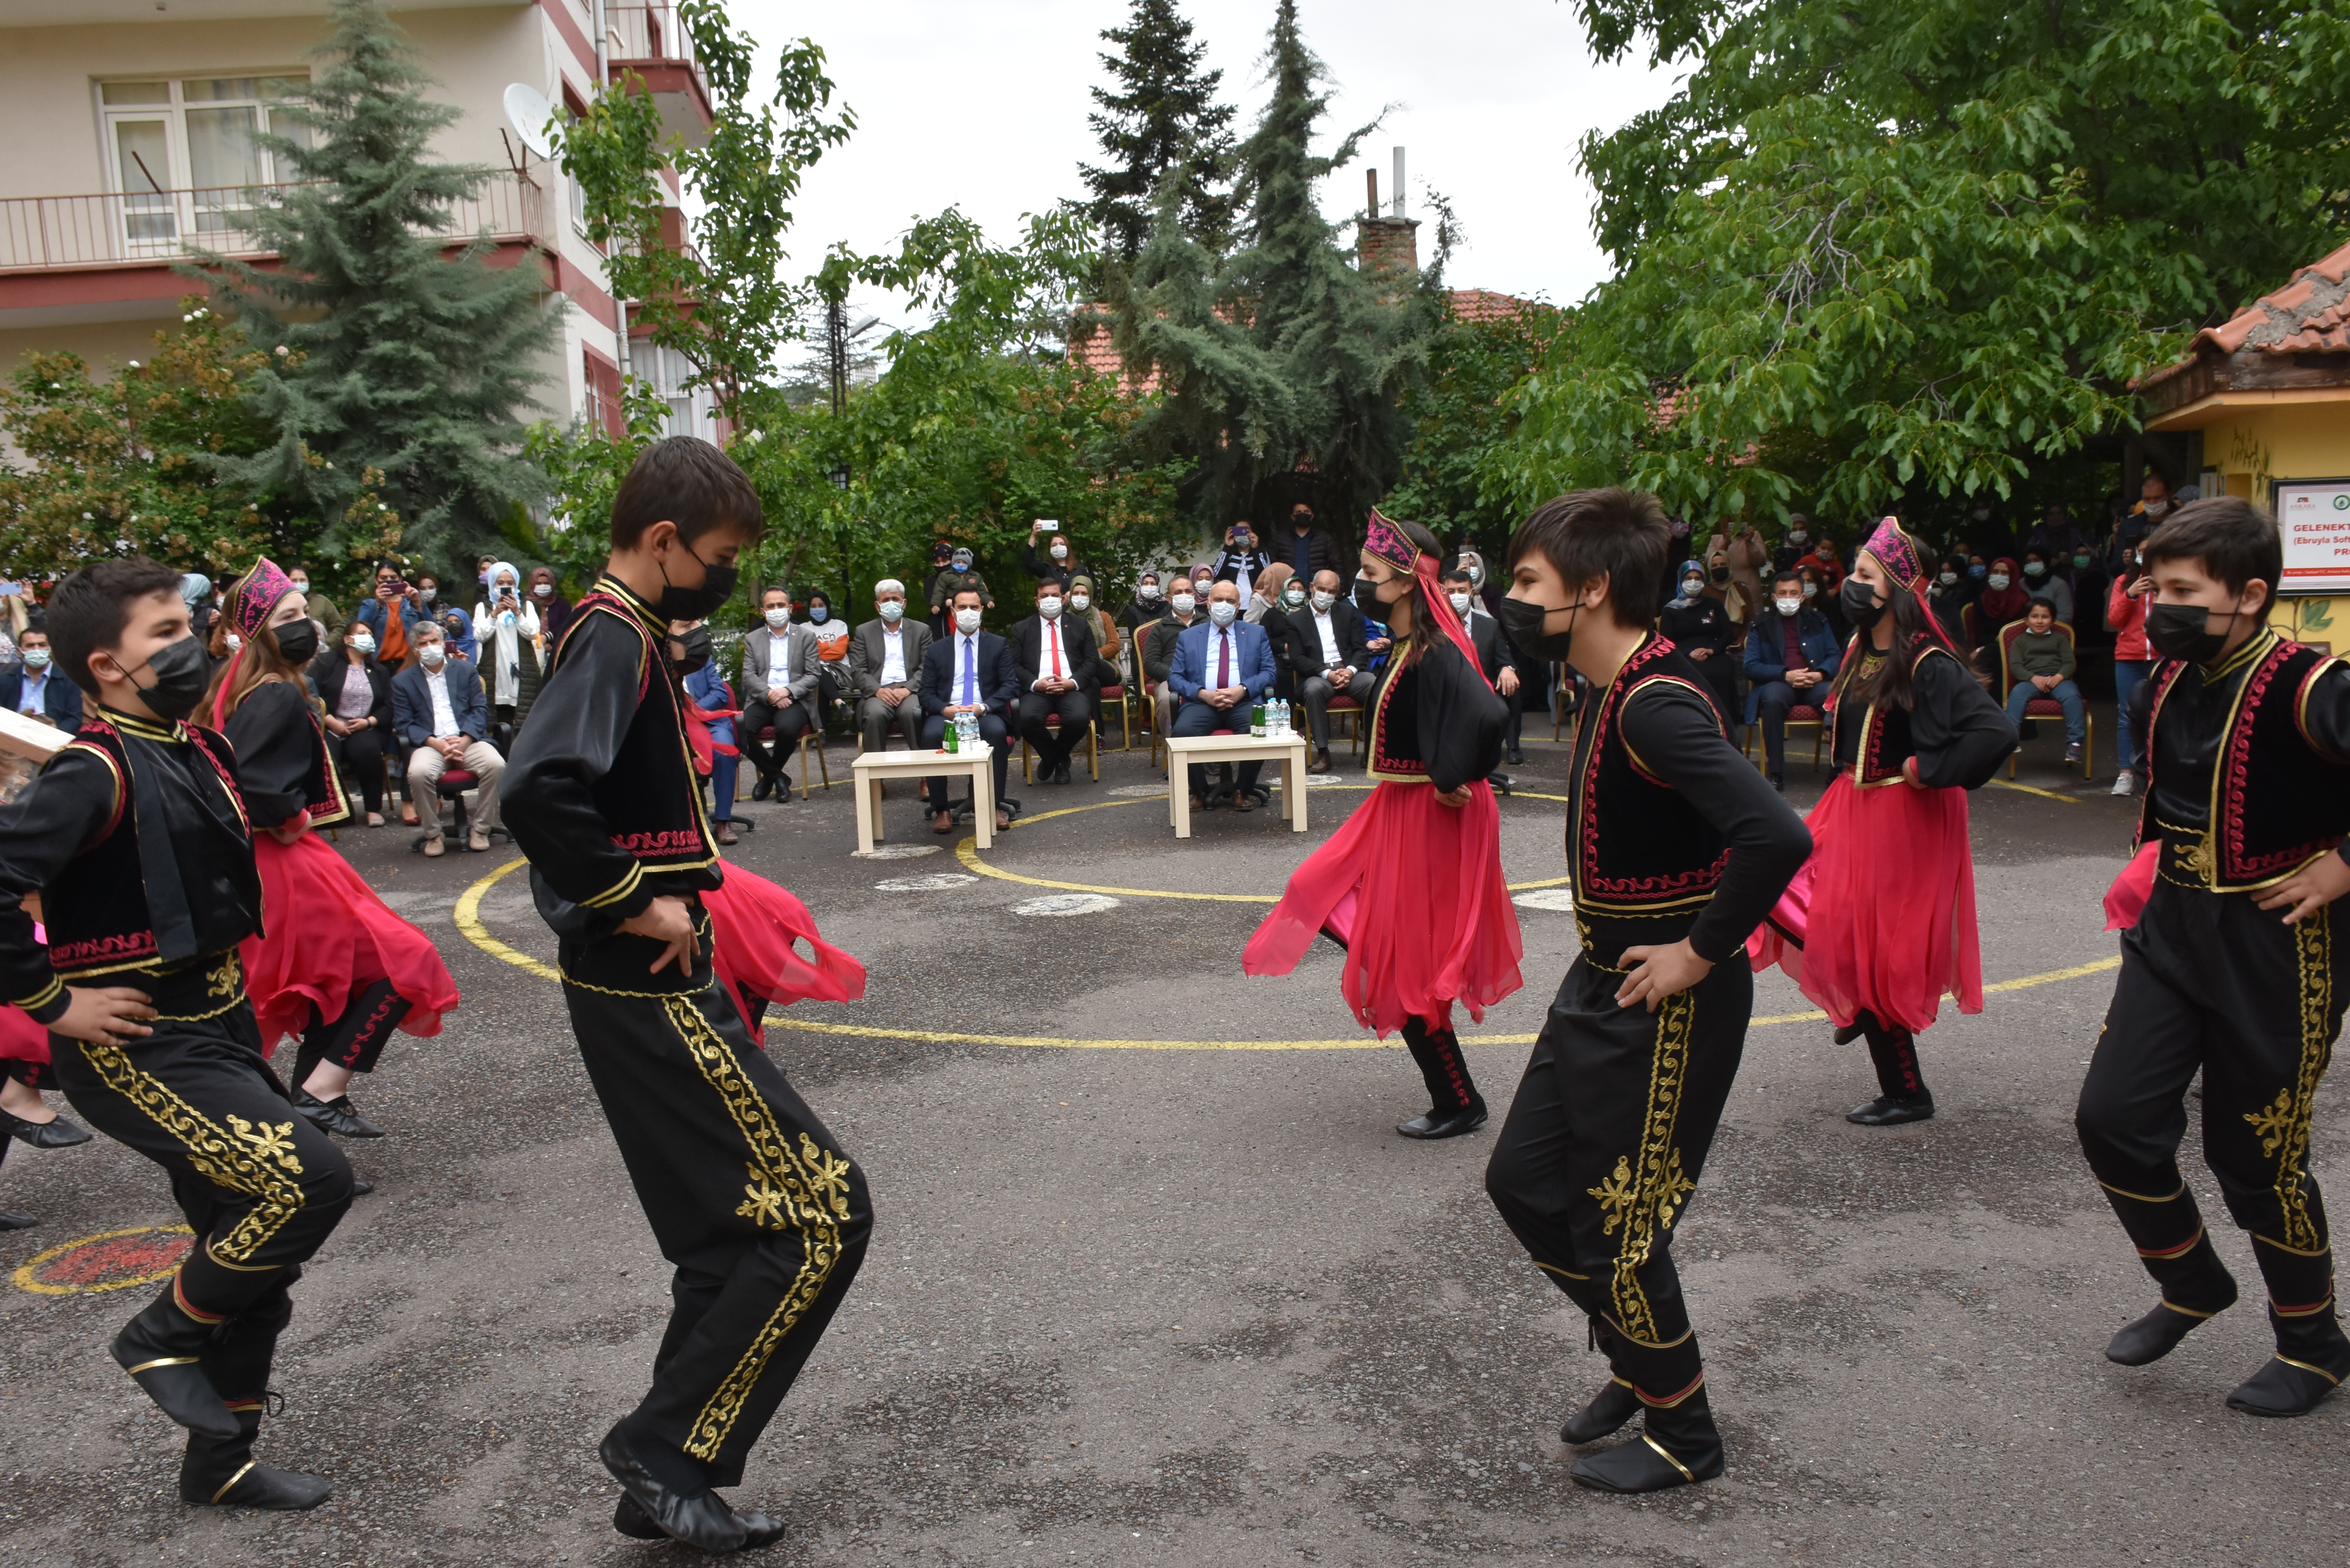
(1053, 632)
(1224, 660)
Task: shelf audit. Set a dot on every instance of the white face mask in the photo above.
(891, 610)
(1323, 600)
(2034, 569)
(1293, 596)
(1081, 602)
(1997, 579)
(1184, 604)
(1949, 578)
(300, 587)
(1810, 589)
(779, 619)
(543, 590)
(2157, 508)
(1460, 603)
(1788, 607)
(1476, 577)
(1222, 611)
(1692, 586)
(1795, 535)
(1060, 551)
(432, 655)
(234, 642)
(364, 643)
(967, 622)
(1049, 607)
(1147, 592)
(37, 659)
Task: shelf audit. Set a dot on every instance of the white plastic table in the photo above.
(872, 767)
(1184, 749)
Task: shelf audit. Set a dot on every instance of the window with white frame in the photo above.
(180, 151)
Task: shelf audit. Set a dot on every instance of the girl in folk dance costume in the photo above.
(1411, 884)
(331, 963)
(1879, 925)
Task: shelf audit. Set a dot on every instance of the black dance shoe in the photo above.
(2284, 1388)
(1608, 1410)
(362, 1187)
(1892, 1110)
(1850, 1033)
(1443, 1124)
(56, 1133)
(336, 1115)
(1645, 1464)
(160, 1348)
(17, 1221)
(701, 1520)
(2153, 1337)
(1517, 758)
(759, 1530)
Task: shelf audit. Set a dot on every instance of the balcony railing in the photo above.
(51, 232)
(647, 32)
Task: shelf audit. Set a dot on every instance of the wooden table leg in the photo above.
(869, 814)
(1178, 796)
(1293, 783)
(983, 799)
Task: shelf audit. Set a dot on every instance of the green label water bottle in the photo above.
(954, 725)
(1256, 720)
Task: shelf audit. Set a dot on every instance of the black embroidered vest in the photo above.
(1395, 724)
(1884, 741)
(2276, 802)
(651, 797)
(96, 914)
(322, 785)
(1638, 850)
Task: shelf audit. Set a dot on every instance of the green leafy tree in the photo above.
(1159, 122)
(403, 359)
(1282, 355)
(1908, 254)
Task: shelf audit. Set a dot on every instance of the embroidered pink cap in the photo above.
(1898, 555)
(1389, 544)
(256, 594)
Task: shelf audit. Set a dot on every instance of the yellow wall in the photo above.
(2251, 448)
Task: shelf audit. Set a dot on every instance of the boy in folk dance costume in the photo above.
(748, 1195)
(135, 840)
(1679, 848)
(2231, 963)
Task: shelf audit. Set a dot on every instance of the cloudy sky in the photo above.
(983, 106)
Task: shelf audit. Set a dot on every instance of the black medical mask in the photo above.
(1525, 626)
(1722, 574)
(693, 604)
(2180, 631)
(696, 644)
(297, 641)
(1859, 602)
(182, 674)
(1366, 599)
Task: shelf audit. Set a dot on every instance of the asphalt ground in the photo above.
(1155, 1281)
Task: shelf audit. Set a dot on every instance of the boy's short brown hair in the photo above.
(89, 610)
(686, 481)
(2236, 542)
(1621, 535)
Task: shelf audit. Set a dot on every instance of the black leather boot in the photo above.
(1680, 1447)
(2310, 1360)
(162, 1349)
(1456, 1106)
(700, 1520)
(759, 1530)
(224, 1474)
(1614, 1405)
(2195, 1285)
(1902, 1093)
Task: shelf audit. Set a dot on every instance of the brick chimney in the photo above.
(1388, 243)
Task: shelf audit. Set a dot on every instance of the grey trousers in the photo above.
(1315, 692)
(873, 718)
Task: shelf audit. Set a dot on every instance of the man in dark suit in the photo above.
(1331, 656)
(885, 662)
(1484, 631)
(968, 671)
(1219, 670)
(35, 688)
(439, 710)
(1055, 653)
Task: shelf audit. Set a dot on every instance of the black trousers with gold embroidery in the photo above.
(261, 1187)
(750, 1199)
(2209, 981)
(1602, 1150)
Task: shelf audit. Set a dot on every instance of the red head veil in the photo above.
(1391, 544)
(1905, 562)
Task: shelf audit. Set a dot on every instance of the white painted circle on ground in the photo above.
(1066, 904)
(895, 851)
(937, 883)
(1138, 790)
(1561, 898)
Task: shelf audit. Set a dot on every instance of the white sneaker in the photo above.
(2125, 783)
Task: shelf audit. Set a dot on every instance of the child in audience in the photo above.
(2040, 664)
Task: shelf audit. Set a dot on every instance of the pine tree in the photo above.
(389, 354)
(1282, 356)
(1163, 120)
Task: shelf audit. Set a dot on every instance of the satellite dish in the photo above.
(528, 110)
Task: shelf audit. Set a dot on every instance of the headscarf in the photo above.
(490, 588)
(2000, 605)
(1383, 539)
(457, 631)
(1682, 599)
(193, 587)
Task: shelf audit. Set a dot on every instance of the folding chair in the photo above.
(1052, 723)
(2042, 707)
(1802, 715)
(811, 737)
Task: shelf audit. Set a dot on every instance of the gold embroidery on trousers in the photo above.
(2282, 1125)
(259, 1163)
(1647, 1191)
(803, 1191)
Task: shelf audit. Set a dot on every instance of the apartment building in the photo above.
(125, 147)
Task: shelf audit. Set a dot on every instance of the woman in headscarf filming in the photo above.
(1879, 925)
(1411, 884)
(505, 624)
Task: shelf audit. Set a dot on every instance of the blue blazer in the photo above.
(999, 676)
(1766, 649)
(709, 690)
(1189, 674)
(60, 698)
(412, 702)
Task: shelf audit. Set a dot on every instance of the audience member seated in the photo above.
(1331, 658)
(1184, 611)
(444, 715)
(1219, 670)
(1790, 656)
(1105, 671)
(356, 692)
(1698, 625)
(832, 680)
(33, 685)
(1054, 652)
(779, 691)
(2041, 664)
(968, 671)
(1263, 607)
(885, 662)
(707, 690)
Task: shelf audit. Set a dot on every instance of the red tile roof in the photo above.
(1485, 304)
(2311, 315)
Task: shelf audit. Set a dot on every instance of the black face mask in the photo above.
(696, 644)
(1366, 599)
(694, 604)
(1523, 624)
(297, 641)
(181, 675)
(1722, 574)
(2178, 631)
(1859, 602)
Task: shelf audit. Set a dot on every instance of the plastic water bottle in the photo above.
(1281, 717)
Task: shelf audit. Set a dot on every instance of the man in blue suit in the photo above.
(33, 686)
(1220, 668)
(968, 671)
(1790, 657)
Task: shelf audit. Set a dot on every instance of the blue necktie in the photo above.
(969, 678)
